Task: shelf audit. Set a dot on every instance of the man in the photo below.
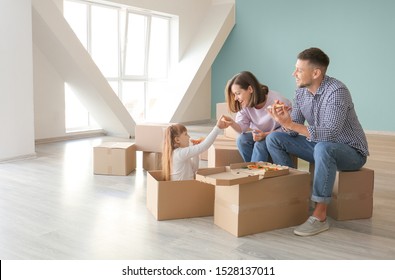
(332, 138)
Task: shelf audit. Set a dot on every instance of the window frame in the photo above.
(122, 44)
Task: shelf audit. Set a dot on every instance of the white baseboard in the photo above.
(72, 136)
(18, 158)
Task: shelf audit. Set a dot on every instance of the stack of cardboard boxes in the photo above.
(149, 140)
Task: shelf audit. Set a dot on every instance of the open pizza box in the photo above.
(240, 173)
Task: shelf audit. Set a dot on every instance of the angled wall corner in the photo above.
(196, 64)
(58, 43)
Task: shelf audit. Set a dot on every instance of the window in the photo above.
(130, 47)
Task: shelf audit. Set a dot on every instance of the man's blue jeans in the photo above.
(250, 150)
(328, 157)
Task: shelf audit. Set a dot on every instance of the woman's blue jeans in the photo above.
(250, 150)
(328, 157)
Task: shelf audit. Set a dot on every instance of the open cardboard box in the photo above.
(248, 204)
(168, 200)
(222, 176)
(263, 169)
(237, 173)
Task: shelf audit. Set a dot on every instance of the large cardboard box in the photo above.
(204, 156)
(223, 152)
(168, 200)
(352, 196)
(114, 158)
(149, 136)
(223, 155)
(152, 161)
(259, 205)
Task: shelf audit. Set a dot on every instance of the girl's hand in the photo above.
(224, 122)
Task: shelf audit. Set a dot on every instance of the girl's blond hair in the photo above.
(169, 145)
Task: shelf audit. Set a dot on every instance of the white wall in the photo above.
(16, 80)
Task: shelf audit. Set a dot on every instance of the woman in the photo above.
(247, 97)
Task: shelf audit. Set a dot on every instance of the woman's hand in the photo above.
(224, 122)
(258, 135)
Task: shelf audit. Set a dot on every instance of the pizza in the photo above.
(266, 167)
(275, 106)
(261, 169)
(197, 141)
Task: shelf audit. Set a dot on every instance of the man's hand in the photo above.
(280, 113)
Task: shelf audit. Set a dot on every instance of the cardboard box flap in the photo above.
(222, 176)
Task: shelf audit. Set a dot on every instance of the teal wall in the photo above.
(357, 35)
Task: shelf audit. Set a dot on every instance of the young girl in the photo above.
(180, 160)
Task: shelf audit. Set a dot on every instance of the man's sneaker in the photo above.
(311, 227)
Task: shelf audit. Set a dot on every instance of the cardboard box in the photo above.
(114, 158)
(223, 152)
(149, 136)
(168, 200)
(152, 161)
(222, 176)
(261, 205)
(204, 156)
(237, 174)
(263, 169)
(352, 196)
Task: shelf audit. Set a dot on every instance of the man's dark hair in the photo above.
(315, 56)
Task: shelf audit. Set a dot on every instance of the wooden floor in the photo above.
(53, 207)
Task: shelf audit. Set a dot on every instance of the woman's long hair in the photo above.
(169, 146)
(244, 80)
